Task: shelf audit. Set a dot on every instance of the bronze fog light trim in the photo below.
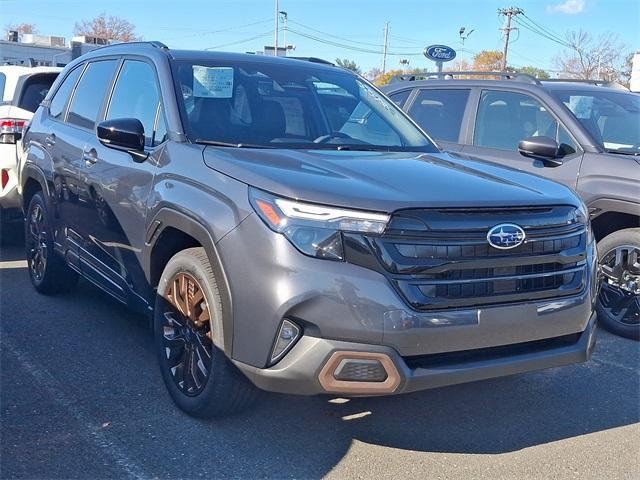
(330, 384)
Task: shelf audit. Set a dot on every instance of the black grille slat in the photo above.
(439, 265)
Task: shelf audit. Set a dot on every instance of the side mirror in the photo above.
(541, 148)
(126, 134)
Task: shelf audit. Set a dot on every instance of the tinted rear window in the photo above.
(34, 89)
(440, 112)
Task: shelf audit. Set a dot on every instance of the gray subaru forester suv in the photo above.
(287, 227)
(582, 133)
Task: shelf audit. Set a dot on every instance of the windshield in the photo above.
(612, 118)
(298, 106)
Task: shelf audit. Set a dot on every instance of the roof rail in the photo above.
(520, 77)
(152, 43)
(313, 60)
(600, 83)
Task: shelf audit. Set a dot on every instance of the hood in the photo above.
(383, 181)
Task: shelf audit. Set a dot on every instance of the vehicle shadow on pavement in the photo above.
(105, 354)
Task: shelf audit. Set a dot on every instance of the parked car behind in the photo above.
(585, 134)
(21, 91)
(289, 228)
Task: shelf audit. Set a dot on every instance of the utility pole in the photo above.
(275, 42)
(385, 47)
(509, 13)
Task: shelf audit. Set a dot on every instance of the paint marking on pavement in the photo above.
(13, 264)
(100, 438)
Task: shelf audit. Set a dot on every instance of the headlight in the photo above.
(315, 230)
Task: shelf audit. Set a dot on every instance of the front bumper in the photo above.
(303, 371)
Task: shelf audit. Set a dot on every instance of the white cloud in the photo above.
(570, 7)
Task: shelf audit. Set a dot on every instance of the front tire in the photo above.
(201, 380)
(618, 304)
(48, 271)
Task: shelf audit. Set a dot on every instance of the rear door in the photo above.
(503, 118)
(442, 113)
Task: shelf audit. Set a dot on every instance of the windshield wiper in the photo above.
(621, 152)
(217, 143)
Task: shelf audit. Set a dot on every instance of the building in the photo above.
(41, 50)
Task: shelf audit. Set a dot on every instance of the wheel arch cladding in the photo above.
(171, 231)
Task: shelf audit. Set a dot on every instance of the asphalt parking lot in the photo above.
(81, 397)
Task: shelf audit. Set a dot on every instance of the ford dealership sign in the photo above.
(439, 53)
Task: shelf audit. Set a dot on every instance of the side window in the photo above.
(89, 95)
(136, 95)
(59, 100)
(399, 98)
(567, 145)
(440, 112)
(505, 118)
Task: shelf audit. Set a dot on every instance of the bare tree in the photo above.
(591, 58)
(23, 27)
(372, 74)
(113, 28)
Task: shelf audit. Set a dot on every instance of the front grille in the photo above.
(440, 259)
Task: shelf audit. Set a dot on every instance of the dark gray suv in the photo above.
(584, 134)
(287, 227)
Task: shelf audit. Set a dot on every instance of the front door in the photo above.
(504, 118)
(119, 188)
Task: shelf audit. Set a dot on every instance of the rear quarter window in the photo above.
(3, 80)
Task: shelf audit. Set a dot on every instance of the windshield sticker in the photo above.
(212, 82)
(581, 106)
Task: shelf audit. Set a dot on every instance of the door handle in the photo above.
(50, 140)
(90, 156)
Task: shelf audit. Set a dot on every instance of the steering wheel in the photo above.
(326, 138)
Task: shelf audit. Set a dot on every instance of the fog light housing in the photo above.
(287, 336)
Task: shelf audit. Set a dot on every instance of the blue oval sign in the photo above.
(505, 236)
(439, 53)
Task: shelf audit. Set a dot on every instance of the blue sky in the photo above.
(413, 24)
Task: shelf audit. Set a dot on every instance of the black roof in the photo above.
(154, 47)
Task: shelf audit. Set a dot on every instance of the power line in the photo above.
(544, 29)
(344, 39)
(350, 47)
(211, 32)
(238, 42)
(541, 33)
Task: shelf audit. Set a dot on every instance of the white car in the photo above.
(21, 91)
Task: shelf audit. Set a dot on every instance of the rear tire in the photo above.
(200, 378)
(48, 272)
(619, 309)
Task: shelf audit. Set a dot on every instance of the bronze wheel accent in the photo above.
(187, 334)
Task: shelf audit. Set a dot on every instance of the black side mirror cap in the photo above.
(541, 148)
(126, 134)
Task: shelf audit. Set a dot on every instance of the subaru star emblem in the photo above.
(505, 236)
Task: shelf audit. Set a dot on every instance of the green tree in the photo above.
(534, 72)
(349, 65)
